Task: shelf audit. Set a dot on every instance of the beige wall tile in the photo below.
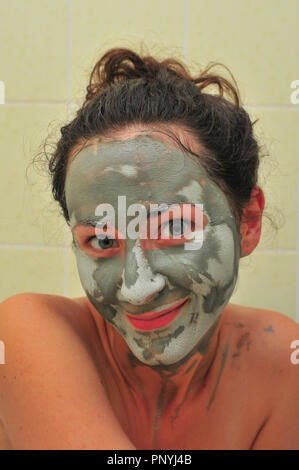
(257, 41)
(28, 213)
(100, 26)
(75, 288)
(31, 270)
(267, 281)
(277, 131)
(33, 49)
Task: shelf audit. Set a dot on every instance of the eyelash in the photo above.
(167, 223)
(93, 238)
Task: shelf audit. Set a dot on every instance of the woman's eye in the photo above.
(176, 227)
(102, 243)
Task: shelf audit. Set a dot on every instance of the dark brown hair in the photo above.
(127, 88)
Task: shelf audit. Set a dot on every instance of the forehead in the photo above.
(143, 169)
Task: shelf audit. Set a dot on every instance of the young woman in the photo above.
(154, 356)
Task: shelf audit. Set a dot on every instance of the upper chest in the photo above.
(221, 417)
(226, 414)
(4, 441)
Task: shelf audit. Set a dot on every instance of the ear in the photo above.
(251, 223)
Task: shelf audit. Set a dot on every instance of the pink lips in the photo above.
(154, 320)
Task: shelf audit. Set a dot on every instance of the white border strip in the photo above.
(297, 212)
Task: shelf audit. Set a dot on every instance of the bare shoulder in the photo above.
(266, 339)
(49, 383)
(35, 328)
(31, 312)
(271, 331)
(26, 303)
(268, 344)
(280, 327)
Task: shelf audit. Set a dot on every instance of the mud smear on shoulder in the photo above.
(221, 367)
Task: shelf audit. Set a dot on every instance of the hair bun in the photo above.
(116, 65)
(119, 64)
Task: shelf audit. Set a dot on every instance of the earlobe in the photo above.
(251, 223)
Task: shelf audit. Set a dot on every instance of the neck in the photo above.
(189, 373)
(150, 400)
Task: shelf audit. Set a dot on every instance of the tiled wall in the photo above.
(47, 49)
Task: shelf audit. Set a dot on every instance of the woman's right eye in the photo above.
(102, 243)
(98, 244)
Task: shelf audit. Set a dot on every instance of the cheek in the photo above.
(171, 263)
(215, 263)
(99, 278)
(86, 268)
(108, 277)
(222, 255)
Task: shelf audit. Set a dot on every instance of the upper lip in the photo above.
(151, 314)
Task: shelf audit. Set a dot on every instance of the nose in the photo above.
(139, 284)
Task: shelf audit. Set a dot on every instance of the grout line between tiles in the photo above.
(4, 246)
(35, 103)
(66, 257)
(265, 251)
(272, 107)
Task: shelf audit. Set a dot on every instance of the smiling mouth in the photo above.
(154, 320)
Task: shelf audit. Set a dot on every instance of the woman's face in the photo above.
(130, 279)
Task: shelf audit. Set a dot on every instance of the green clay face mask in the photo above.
(131, 281)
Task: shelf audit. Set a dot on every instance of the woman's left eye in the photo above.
(175, 227)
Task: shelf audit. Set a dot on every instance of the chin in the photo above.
(176, 347)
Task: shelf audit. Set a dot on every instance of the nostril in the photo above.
(154, 294)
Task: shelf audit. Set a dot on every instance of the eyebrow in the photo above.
(89, 221)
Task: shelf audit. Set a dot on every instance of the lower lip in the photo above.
(158, 322)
